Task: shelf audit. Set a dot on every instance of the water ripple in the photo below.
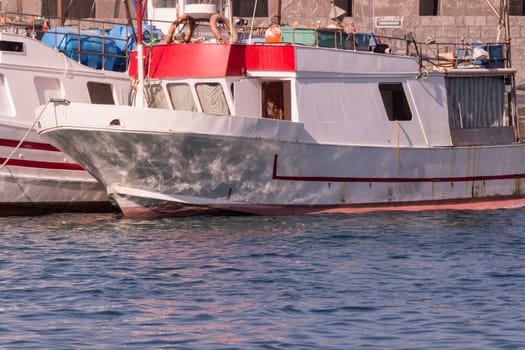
(433, 280)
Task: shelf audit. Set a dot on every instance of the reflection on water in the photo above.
(384, 280)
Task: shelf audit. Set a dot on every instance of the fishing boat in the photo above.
(323, 121)
(36, 177)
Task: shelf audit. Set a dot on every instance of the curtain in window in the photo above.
(181, 97)
(155, 96)
(212, 99)
(475, 102)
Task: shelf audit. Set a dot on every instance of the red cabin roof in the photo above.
(198, 60)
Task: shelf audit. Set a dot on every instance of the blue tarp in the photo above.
(98, 49)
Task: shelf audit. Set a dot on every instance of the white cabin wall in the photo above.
(352, 113)
(311, 61)
(432, 108)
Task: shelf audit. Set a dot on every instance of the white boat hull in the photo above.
(198, 163)
(39, 179)
(36, 177)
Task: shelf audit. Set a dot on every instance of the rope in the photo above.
(25, 136)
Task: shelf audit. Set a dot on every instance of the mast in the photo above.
(139, 102)
(511, 80)
(506, 19)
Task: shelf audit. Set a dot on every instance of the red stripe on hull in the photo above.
(30, 145)
(389, 179)
(42, 165)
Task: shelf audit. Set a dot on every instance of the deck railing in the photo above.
(96, 43)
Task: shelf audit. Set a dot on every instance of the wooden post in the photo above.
(60, 12)
(278, 4)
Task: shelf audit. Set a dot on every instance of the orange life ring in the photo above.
(214, 19)
(187, 21)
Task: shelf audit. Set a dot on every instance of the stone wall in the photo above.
(471, 20)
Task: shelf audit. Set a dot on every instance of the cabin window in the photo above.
(100, 93)
(475, 102)
(6, 101)
(155, 96)
(181, 97)
(395, 101)
(245, 8)
(48, 88)
(11, 46)
(428, 7)
(212, 98)
(164, 3)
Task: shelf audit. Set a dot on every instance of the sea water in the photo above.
(427, 280)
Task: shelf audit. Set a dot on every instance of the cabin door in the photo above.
(273, 100)
(247, 94)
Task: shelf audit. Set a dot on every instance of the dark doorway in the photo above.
(516, 8)
(428, 7)
(273, 100)
(245, 8)
(70, 8)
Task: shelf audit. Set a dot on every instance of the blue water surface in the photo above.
(429, 280)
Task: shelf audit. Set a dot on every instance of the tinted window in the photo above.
(395, 101)
(100, 93)
(12, 46)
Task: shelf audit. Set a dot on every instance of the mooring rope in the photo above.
(25, 136)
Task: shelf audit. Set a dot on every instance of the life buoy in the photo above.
(217, 18)
(187, 21)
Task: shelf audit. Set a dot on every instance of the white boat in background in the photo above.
(323, 122)
(35, 177)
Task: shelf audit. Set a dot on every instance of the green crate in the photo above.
(301, 36)
(330, 38)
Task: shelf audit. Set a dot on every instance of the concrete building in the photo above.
(445, 20)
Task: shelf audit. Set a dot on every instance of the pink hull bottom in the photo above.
(183, 210)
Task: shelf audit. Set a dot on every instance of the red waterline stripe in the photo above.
(389, 179)
(26, 144)
(41, 165)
